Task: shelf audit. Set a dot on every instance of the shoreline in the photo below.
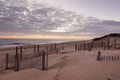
(13, 45)
(23, 44)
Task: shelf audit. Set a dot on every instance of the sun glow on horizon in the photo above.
(48, 37)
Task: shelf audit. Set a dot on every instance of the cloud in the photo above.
(102, 27)
(22, 17)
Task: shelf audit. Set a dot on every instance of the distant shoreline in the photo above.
(20, 42)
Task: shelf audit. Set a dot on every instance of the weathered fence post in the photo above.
(38, 49)
(75, 46)
(78, 46)
(50, 47)
(55, 45)
(7, 59)
(109, 58)
(114, 43)
(44, 61)
(108, 45)
(21, 52)
(112, 58)
(17, 61)
(84, 46)
(34, 49)
(47, 61)
(89, 46)
(98, 56)
(102, 44)
(117, 58)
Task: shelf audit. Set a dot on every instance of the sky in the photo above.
(59, 19)
(102, 9)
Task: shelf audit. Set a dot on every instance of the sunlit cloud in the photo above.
(29, 18)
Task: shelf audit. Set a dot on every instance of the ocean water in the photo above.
(15, 42)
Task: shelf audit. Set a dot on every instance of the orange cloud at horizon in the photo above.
(48, 37)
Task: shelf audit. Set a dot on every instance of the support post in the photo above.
(108, 43)
(50, 47)
(47, 61)
(38, 49)
(55, 46)
(21, 52)
(98, 56)
(114, 43)
(43, 60)
(17, 64)
(17, 61)
(7, 59)
(75, 46)
(102, 44)
(34, 49)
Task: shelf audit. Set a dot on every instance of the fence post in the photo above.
(43, 60)
(38, 49)
(102, 44)
(75, 46)
(50, 47)
(7, 59)
(84, 46)
(21, 52)
(114, 43)
(112, 58)
(98, 56)
(34, 49)
(109, 58)
(89, 46)
(117, 58)
(55, 46)
(108, 45)
(17, 61)
(47, 61)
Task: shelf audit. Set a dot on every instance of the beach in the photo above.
(78, 65)
(66, 64)
(59, 40)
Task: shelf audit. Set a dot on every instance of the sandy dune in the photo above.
(79, 65)
(30, 74)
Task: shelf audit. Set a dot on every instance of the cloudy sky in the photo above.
(58, 19)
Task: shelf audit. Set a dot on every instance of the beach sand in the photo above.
(72, 65)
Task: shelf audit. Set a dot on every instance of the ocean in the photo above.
(16, 42)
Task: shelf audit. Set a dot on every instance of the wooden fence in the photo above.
(108, 57)
(25, 57)
(15, 62)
